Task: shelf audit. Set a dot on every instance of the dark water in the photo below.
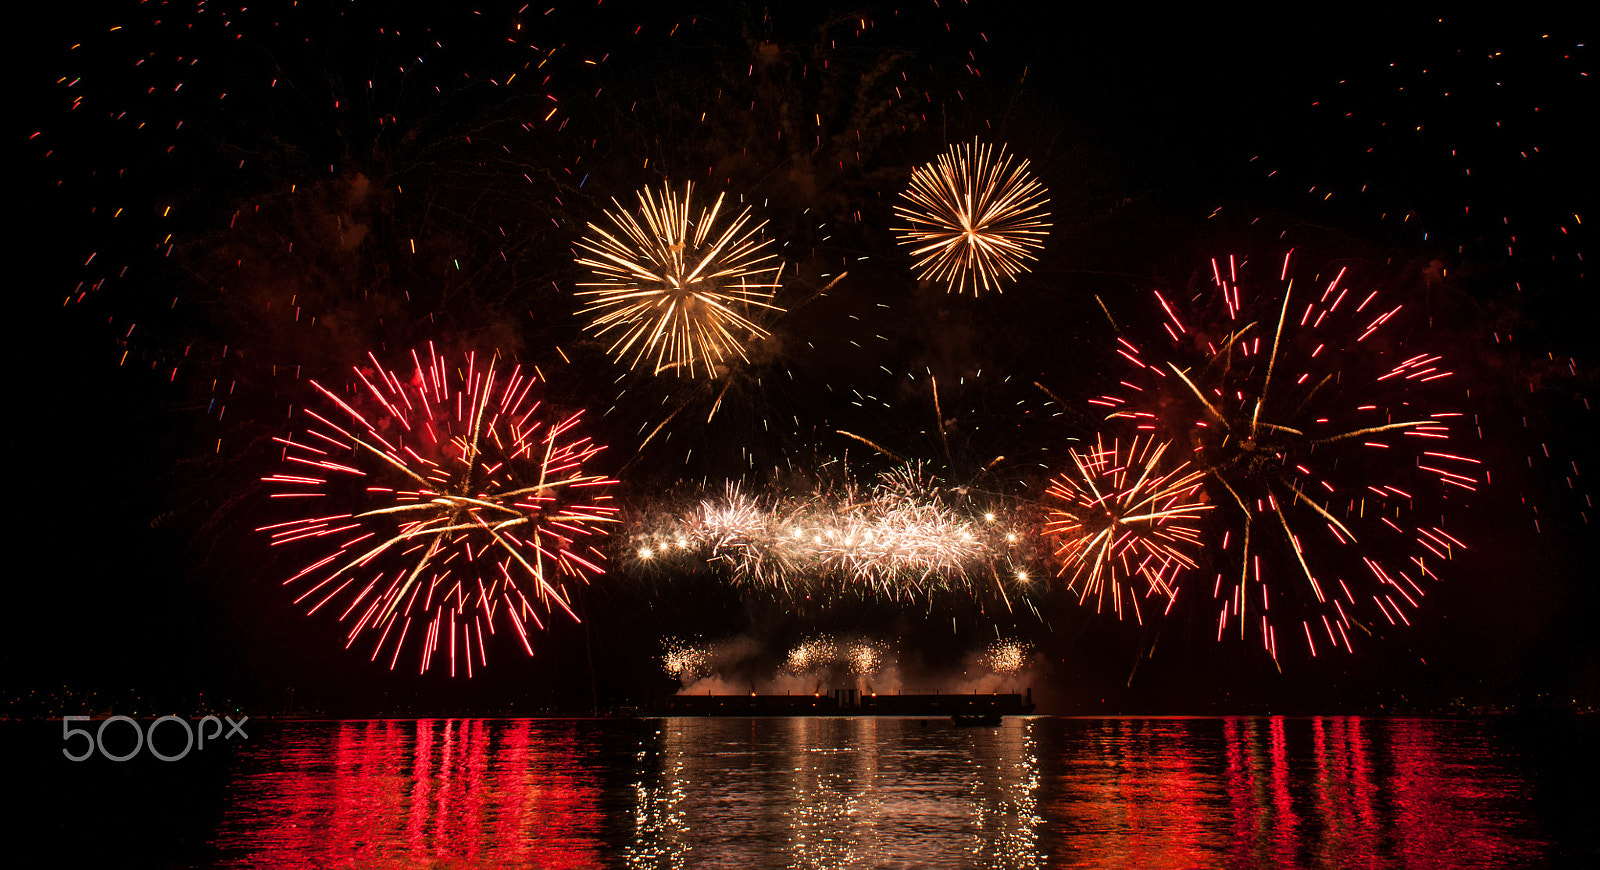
(743, 793)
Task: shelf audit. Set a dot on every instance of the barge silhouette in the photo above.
(985, 707)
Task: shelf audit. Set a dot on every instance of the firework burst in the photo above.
(472, 507)
(679, 295)
(684, 660)
(811, 654)
(905, 533)
(1121, 518)
(972, 218)
(866, 657)
(1310, 426)
(1006, 656)
(899, 537)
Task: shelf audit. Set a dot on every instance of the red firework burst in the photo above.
(1310, 419)
(458, 501)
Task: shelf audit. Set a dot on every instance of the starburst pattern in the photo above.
(454, 501)
(1122, 518)
(678, 295)
(1322, 441)
(973, 219)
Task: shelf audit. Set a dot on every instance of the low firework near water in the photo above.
(680, 295)
(685, 660)
(1320, 442)
(439, 504)
(1125, 517)
(1006, 656)
(859, 656)
(972, 219)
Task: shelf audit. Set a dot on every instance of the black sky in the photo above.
(1391, 140)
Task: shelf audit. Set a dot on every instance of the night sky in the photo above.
(220, 205)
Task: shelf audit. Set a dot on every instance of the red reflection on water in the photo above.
(1254, 818)
(1148, 793)
(1444, 803)
(1134, 793)
(1283, 834)
(1342, 790)
(1325, 792)
(458, 793)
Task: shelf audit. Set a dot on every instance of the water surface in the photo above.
(861, 792)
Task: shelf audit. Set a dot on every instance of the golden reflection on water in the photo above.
(846, 792)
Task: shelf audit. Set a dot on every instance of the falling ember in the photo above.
(1122, 519)
(441, 507)
(677, 294)
(973, 218)
(1320, 444)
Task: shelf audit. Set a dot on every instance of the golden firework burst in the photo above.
(974, 218)
(677, 294)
